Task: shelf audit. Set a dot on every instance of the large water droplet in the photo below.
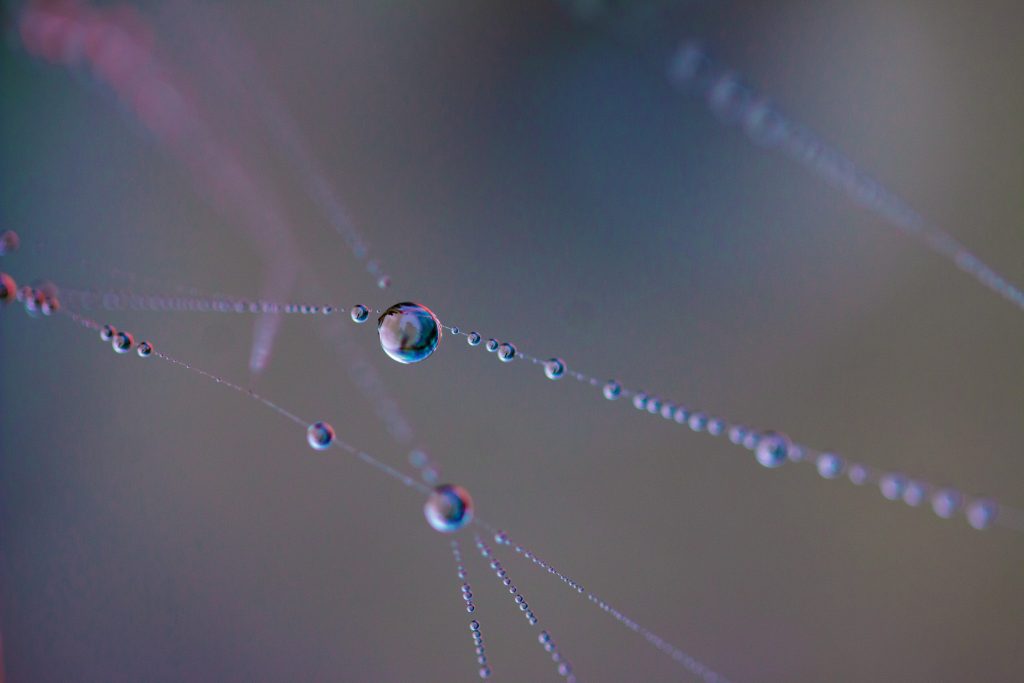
(409, 332)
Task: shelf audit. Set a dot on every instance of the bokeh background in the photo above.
(524, 169)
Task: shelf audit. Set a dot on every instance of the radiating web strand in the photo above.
(690, 663)
(676, 654)
(945, 502)
(564, 667)
(467, 596)
(735, 103)
(362, 455)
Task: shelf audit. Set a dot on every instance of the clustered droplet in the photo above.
(320, 435)
(448, 508)
(41, 298)
(409, 332)
(478, 641)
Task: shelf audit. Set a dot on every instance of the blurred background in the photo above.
(526, 170)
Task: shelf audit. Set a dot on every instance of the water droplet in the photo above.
(797, 453)
(829, 465)
(981, 513)
(455, 330)
(728, 98)
(737, 434)
(108, 332)
(690, 63)
(945, 502)
(640, 401)
(145, 349)
(716, 427)
(858, 474)
(492, 345)
(122, 342)
(418, 458)
(9, 242)
(359, 313)
(914, 493)
(473, 338)
(891, 485)
(448, 508)
(320, 435)
(772, 449)
(384, 282)
(554, 368)
(506, 352)
(698, 422)
(612, 390)
(654, 406)
(409, 332)
(8, 288)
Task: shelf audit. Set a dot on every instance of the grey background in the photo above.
(532, 177)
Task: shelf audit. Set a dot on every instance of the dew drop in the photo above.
(122, 342)
(409, 332)
(473, 338)
(829, 465)
(981, 513)
(554, 368)
(858, 474)
(612, 390)
(945, 502)
(8, 289)
(145, 349)
(359, 313)
(506, 352)
(492, 345)
(319, 435)
(108, 332)
(891, 485)
(914, 493)
(9, 242)
(448, 508)
(772, 449)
